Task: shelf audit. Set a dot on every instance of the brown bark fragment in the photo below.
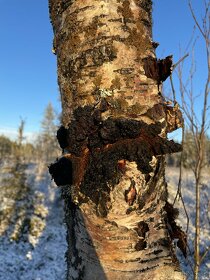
(174, 230)
(121, 165)
(158, 70)
(130, 194)
(174, 118)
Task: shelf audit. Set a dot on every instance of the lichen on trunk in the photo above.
(114, 138)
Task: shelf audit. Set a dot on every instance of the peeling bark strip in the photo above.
(174, 230)
(113, 137)
(158, 70)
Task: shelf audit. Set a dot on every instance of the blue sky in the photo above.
(28, 80)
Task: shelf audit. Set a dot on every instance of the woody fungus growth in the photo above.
(61, 171)
(62, 136)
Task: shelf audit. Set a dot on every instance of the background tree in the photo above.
(47, 148)
(29, 152)
(115, 121)
(195, 138)
(22, 211)
(5, 148)
(15, 191)
(190, 150)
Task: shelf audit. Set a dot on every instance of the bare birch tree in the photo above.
(114, 138)
(197, 128)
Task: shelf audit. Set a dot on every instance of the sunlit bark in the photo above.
(115, 121)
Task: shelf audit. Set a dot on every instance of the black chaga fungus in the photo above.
(62, 136)
(61, 171)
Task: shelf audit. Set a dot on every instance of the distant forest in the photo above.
(44, 147)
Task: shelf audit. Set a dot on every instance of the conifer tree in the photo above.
(46, 144)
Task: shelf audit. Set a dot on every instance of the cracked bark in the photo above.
(114, 138)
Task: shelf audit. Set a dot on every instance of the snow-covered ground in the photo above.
(188, 193)
(43, 257)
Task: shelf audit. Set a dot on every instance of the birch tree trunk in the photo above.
(115, 122)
